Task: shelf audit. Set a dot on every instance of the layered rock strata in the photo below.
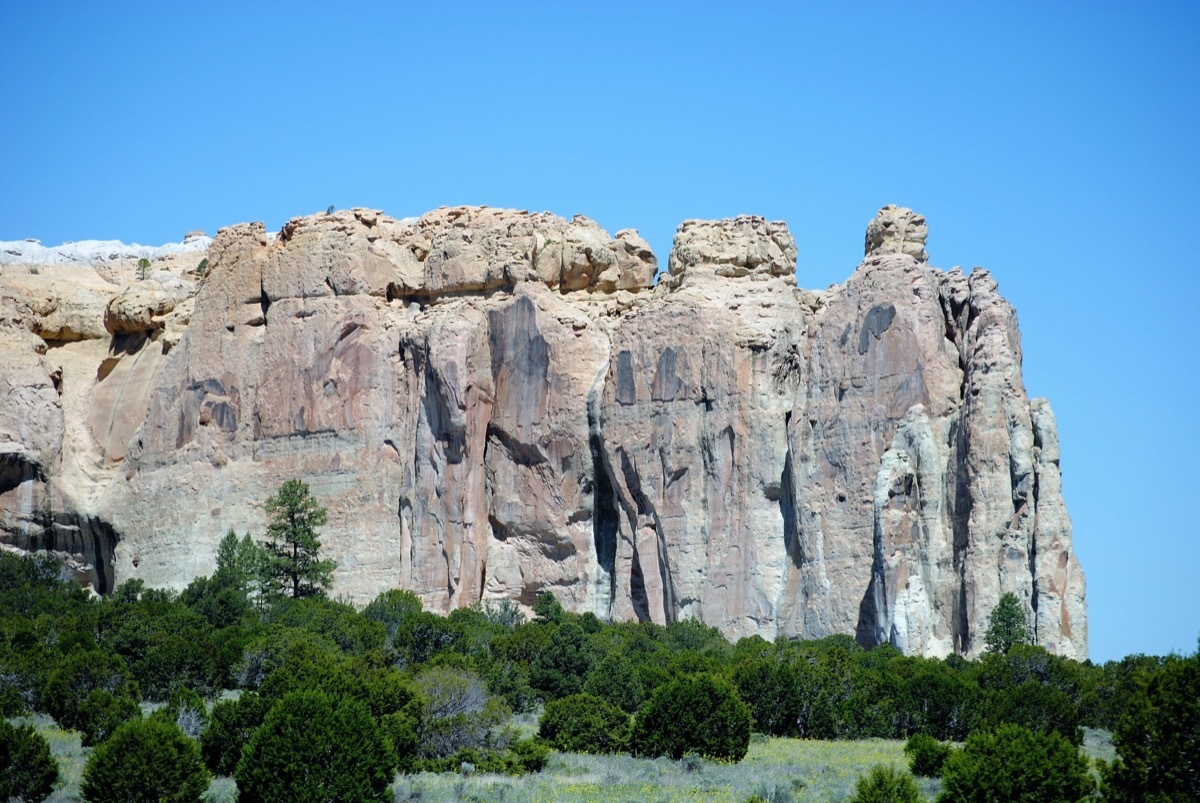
(494, 403)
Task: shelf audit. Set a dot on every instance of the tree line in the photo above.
(393, 687)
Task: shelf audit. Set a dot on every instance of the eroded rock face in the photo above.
(141, 306)
(493, 403)
(734, 248)
(897, 230)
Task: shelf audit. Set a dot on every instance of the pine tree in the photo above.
(239, 562)
(293, 561)
(1007, 625)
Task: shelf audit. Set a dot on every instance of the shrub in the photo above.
(885, 784)
(230, 726)
(1158, 738)
(310, 750)
(502, 613)
(172, 660)
(186, 710)
(267, 652)
(1033, 705)
(309, 668)
(88, 685)
(614, 681)
(936, 702)
(27, 769)
(700, 713)
(583, 723)
(559, 669)
(101, 713)
(389, 691)
(146, 760)
(413, 635)
(1013, 763)
(773, 693)
(926, 755)
(456, 712)
(510, 680)
(547, 608)
(351, 631)
(532, 754)
(401, 731)
(520, 757)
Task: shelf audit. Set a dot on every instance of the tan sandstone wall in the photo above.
(492, 403)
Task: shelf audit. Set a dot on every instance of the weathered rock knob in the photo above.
(897, 230)
(734, 247)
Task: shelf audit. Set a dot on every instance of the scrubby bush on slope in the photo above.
(1158, 738)
(310, 751)
(926, 755)
(145, 761)
(884, 784)
(697, 713)
(27, 769)
(584, 723)
(1015, 764)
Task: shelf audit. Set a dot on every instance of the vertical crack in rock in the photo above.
(637, 588)
(440, 412)
(787, 502)
(520, 362)
(870, 631)
(960, 523)
(645, 510)
(605, 517)
(666, 384)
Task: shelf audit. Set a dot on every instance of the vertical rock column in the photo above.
(693, 422)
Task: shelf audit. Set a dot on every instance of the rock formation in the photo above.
(493, 403)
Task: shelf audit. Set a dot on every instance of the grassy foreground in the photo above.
(775, 769)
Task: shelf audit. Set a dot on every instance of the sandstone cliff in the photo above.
(492, 403)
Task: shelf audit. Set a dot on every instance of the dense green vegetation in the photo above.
(146, 761)
(27, 769)
(1012, 763)
(396, 688)
(926, 755)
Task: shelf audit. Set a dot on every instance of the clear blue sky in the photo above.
(1058, 147)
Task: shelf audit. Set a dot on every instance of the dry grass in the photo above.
(71, 755)
(775, 769)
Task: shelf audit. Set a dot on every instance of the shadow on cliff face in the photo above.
(16, 470)
(605, 518)
(29, 522)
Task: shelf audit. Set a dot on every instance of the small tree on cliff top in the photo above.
(293, 562)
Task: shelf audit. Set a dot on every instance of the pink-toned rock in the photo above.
(140, 307)
(492, 403)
